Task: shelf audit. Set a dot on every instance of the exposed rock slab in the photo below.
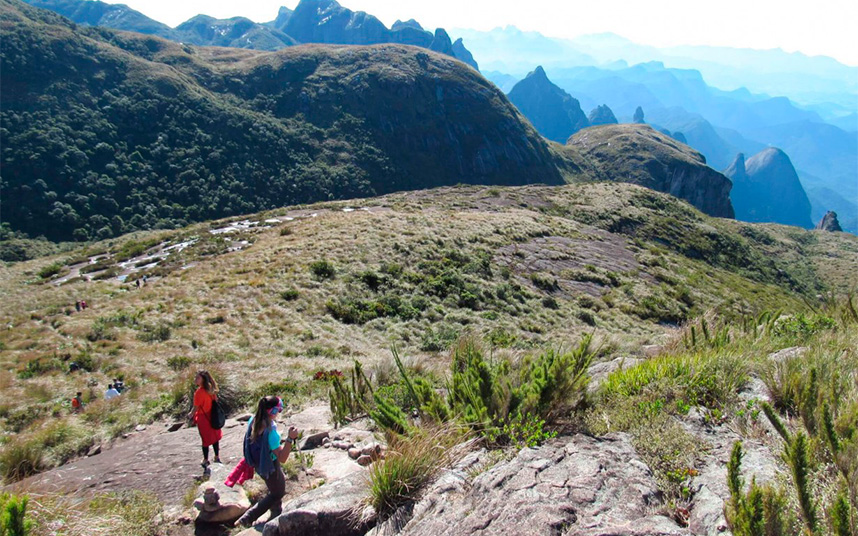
(334, 509)
(709, 487)
(577, 485)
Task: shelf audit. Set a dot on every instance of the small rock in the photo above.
(244, 418)
(175, 426)
(373, 450)
(787, 353)
(364, 460)
(140, 428)
(354, 453)
(95, 449)
(342, 445)
(312, 441)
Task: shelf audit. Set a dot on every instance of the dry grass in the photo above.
(128, 514)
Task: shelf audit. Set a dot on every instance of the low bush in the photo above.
(21, 458)
(323, 269)
(50, 270)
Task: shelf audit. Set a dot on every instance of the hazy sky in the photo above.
(817, 27)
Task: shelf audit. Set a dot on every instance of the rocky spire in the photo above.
(639, 115)
(602, 115)
(829, 222)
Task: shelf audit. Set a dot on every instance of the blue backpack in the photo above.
(258, 453)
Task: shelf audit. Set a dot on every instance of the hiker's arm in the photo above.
(283, 452)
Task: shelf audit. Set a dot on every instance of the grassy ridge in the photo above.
(522, 267)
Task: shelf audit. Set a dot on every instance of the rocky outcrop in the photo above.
(554, 113)
(602, 115)
(639, 116)
(829, 223)
(216, 503)
(577, 485)
(640, 155)
(442, 43)
(334, 509)
(463, 54)
(766, 188)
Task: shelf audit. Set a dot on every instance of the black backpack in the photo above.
(218, 417)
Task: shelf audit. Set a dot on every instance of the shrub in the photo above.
(154, 332)
(440, 339)
(410, 463)
(290, 294)
(21, 458)
(178, 362)
(39, 366)
(545, 282)
(323, 269)
(13, 515)
(50, 270)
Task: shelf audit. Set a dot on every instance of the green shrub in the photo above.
(800, 327)
(50, 270)
(438, 339)
(290, 294)
(154, 332)
(13, 515)
(545, 282)
(39, 366)
(323, 269)
(178, 362)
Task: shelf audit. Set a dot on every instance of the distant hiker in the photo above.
(73, 367)
(77, 305)
(77, 403)
(263, 452)
(137, 282)
(83, 304)
(205, 394)
(119, 385)
(111, 392)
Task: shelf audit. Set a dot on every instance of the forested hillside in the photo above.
(106, 132)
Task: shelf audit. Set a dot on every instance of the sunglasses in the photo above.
(276, 409)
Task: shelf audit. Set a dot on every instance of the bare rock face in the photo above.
(602, 115)
(766, 188)
(829, 223)
(575, 486)
(334, 509)
(640, 155)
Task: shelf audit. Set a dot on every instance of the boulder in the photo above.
(354, 453)
(93, 450)
(364, 460)
(574, 485)
(217, 503)
(312, 441)
(599, 371)
(787, 353)
(334, 509)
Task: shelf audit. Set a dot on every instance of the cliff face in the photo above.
(640, 155)
(766, 188)
(554, 113)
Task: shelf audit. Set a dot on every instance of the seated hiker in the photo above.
(119, 385)
(77, 402)
(264, 452)
(111, 392)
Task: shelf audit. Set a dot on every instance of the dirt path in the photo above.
(154, 460)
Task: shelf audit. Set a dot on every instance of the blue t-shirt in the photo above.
(273, 438)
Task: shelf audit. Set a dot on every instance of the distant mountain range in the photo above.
(722, 124)
(312, 21)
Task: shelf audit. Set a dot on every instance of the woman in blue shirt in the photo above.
(262, 450)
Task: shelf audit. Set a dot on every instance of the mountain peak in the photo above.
(554, 113)
(538, 73)
(737, 167)
(829, 222)
(766, 188)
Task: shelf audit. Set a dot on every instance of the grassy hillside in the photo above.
(107, 132)
(286, 293)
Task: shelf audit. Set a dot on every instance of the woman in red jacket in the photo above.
(205, 394)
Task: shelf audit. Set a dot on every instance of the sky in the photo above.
(817, 27)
